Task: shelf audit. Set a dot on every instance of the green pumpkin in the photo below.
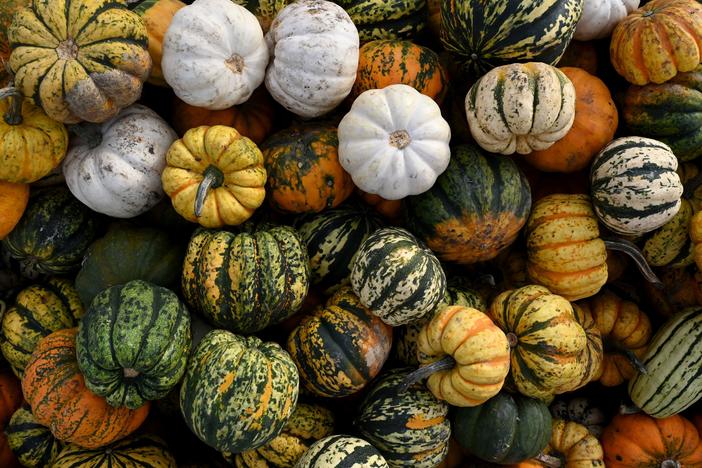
(410, 428)
(133, 343)
(378, 19)
(152, 256)
(53, 234)
(32, 443)
(247, 281)
(39, 310)
(505, 429)
(238, 392)
(145, 451)
(475, 209)
(342, 451)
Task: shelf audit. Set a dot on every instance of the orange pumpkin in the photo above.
(581, 54)
(55, 389)
(390, 209)
(13, 201)
(10, 396)
(596, 120)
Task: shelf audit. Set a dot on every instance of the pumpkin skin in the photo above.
(671, 244)
(340, 347)
(238, 392)
(340, 450)
(657, 41)
(695, 232)
(32, 443)
(572, 443)
(13, 201)
(264, 10)
(54, 388)
(88, 71)
(470, 229)
(601, 16)
(389, 209)
(582, 411)
(139, 451)
(386, 20)
(591, 357)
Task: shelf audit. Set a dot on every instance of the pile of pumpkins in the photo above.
(360, 233)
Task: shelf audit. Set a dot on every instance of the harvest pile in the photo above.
(368, 233)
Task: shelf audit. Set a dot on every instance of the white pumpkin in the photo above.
(601, 16)
(314, 49)
(214, 54)
(394, 142)
(116, 170)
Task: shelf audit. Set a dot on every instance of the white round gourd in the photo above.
(601, 16)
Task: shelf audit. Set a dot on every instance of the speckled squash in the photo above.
(238, 392)
(340, 450)
(582, 410)
(33, 444)
(574, 445)
(340, 347)
(409, 428)
(81, 60)
(399, 19)
(145, 450)
(38, 311)
(670, 244)
(264, 10)
(247, 281)
(13, 201)
(591, 357)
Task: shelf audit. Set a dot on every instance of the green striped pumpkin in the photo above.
(247, 281)
(238, 392)
(32, 443)
(397, 277)
(381, 19)
(483, 35)
(333, 237)
(39, 310)
(634, 186)
(673, 361)
(53, 234)
(475, 209)
(340, 451)
(670, 245)
(143, 451)
(410, 428)
(133, 343)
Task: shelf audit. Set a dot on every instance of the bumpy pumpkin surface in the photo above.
(33, 444)
(591, 357)
(572, 443)
(140, 451)
(340, 450)
(601, 16)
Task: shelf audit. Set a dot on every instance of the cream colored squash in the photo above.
(394, 142)
(214, 54)
(601, 16)
(314, 57)
(520, 107)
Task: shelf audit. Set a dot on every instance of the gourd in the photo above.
(592, 356)
(670, 244)
(32, 443)
(376, 19)
(13, 201)
(581, 410)
(142, 450)
(599, 17)
(572, 443)
(696, 238)
(337, 450)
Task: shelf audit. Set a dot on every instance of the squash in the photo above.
(394, 142)
(7, 11)
(54, 388)
(238, 392)
(340, 450)
(574, 446)
(214, 176)
(377, 19)
(581, 410)
(389, 209)
(79, 59)
(657, 41)
(214, 55)
(142, 450)
(520, 108)
(591, 357)
(695, 232)
(314, 47)
(670, 244)
(116, 169)
(13, 201)
(32, 443)
(601, 16)
(264, 10)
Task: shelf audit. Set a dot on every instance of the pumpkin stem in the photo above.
(512, 339)
(400, 139)
(628, 408)
(130, 373)
(13, 116)
(445, 363)
(629, 248)
(615, 347)
(548, 460)
(213, 178)
(670, 464)
(88, 133)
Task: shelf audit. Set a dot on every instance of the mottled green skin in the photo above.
(238, 392)
(410, 428)
(342, 451)
(394, 19)
(33, 444)
(247, 281)
(138, 327)
(143, 451)
(53, 234)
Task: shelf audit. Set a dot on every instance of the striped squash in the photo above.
(245, 282)
(39, 310)
(409, 428)
(483, 35)
(32, 443)
(673, 360)
(380, 19)
(397, 277)
(265, 11)
(470, 226)
(634, 186)
(238, 392)
(143, 451)
(670, 245)
(591, 357)
(342, 450)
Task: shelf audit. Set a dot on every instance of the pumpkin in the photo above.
(247, 281)
(214, 55)
(582, 411)
(574, 446)
(671, 244)
(79, 60)
(264, 10)
(10, 396)
(39, 310)
(314, 47)
(640, 440)
(340, 450)
(695, 232)
(53, 234)
(657, 41)
(377, 19)
(7, 11)
(471, 226)
(581, 55)
(397, 277)
(238, 392)
(383, 63)
(520, 108)
(595, 122)
(394, 142)
(32, 443)
(505, 429)
(545, 338)
(116, 170)
(591, 357)
(389, 209)
(31, 143)
(142, 450)
(55, 390)
(601, 16)
(214, 176)
(13, 201)
(415, 429)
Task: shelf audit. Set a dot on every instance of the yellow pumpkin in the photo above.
(592, 355)
(573, 445)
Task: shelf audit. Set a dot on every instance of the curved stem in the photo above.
(447, 362)
(548, 460)
(615, 347)
(629, 248)
(213, 178)
(13, 116)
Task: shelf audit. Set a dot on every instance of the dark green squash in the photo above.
(505, 429)
(139, 451)
(133, 343)
(379, 19)
(33, 444)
